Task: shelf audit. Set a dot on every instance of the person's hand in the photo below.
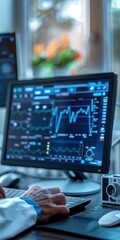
(2, 193)
(51, 201)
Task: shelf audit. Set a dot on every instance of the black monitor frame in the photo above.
(109, 123)
(7, 80)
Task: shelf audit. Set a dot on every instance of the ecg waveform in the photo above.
(42, 128)
(25, 112)
(37, 111)
(65, 150)
(19, 112)
(25, 151)
(72, 115)
(20, 127)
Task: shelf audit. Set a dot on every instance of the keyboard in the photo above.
(75, 204)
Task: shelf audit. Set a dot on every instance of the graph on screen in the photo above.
(80, 114)
(58, 124)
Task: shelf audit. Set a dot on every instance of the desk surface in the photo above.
(43, 235)
(82, 222)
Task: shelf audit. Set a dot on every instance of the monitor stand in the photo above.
(75, 184)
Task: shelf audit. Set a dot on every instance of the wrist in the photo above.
(32, 203)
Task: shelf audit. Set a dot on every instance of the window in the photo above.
(58, 33)
(115, 29)
(115, 36)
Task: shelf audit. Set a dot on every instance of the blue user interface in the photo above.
(57, 123)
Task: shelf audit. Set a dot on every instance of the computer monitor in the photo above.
(62, 123)
(8, 63)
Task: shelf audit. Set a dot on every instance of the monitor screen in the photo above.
(8, 63)
(61, 123)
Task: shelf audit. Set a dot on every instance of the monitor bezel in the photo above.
(109, 123)
(16, 69)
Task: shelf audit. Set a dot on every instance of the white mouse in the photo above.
(110, 219)
(9, 179)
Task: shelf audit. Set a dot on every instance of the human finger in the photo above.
(60, 209)
(1, 196)
(33, 190)
(2, 193)
(52, 210)
(58, 199)
(35, 187)
(54, 190)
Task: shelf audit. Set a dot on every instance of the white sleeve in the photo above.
(16, 215)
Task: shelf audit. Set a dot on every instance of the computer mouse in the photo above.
(110, 219)
(9, 179)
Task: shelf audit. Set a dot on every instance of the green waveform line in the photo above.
(22, 112)
(19, 112)
(42, 128)
(27, 151)
(66, 149)
(20, 127)
(36, 128)
(42, 111)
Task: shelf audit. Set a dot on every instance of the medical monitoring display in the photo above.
(61, 123)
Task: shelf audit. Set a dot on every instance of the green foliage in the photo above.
(61, 59)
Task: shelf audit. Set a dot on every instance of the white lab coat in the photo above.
(16, 215)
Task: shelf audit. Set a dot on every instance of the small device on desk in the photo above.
(110, 190)
(110, 219)
(62, 123)
(9, 179)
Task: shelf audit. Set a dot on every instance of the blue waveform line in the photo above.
(72, 115)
